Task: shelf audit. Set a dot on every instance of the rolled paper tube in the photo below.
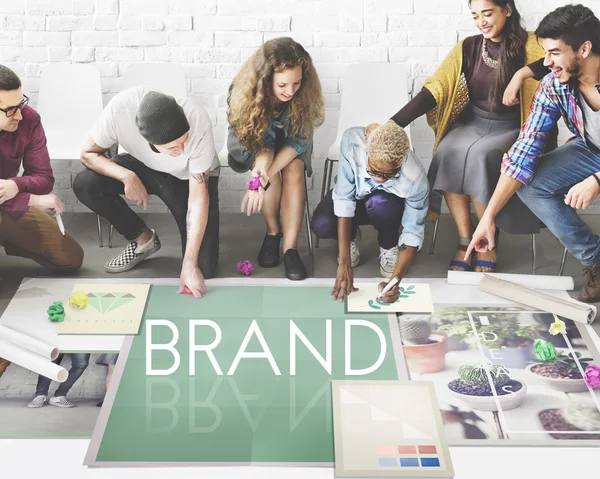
(553, 283)
(580, 312)
(79, 299)
(33, 362)
(28, 343)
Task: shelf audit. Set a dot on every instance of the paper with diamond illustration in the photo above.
(111, 309)
(414, 298)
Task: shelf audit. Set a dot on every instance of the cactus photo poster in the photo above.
(506, 375)
(414, 298)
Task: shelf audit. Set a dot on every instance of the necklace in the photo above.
(490, 62)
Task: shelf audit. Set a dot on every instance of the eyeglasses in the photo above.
(11, 111)
(384, 176)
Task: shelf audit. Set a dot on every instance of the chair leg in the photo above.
(326, 167)
(99, 230)
(562, 262)
(307, 215)
(435, 231)
(533, 251)
(110, 236)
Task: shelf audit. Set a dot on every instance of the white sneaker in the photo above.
(60, 401)
(132, 255)
(354, 250)
(387, 261)
(37, 401)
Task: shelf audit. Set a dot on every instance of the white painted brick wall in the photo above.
(212, 37)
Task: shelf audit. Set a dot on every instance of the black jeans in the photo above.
(79, 361)
(102, 195)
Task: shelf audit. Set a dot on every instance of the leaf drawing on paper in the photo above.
(404, 293)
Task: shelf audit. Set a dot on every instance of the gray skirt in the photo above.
(468, 160)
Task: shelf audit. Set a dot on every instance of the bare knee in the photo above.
(294, 172)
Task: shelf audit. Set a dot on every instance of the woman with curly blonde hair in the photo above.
(274, 105)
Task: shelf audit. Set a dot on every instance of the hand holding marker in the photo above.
(389, 286)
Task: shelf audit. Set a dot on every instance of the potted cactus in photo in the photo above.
(580, 416)
(424, 351)
(559, 370)
(508, 343)
(473, 387)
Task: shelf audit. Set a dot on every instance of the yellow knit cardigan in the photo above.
(449, 88)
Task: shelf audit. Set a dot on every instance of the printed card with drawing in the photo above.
(414, 298)
(111, 309)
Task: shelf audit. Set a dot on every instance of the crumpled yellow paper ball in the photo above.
(557, 327)
(79, 299)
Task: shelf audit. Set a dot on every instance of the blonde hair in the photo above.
(251, 100)
(388, 144)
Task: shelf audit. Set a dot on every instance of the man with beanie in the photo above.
(170, 153)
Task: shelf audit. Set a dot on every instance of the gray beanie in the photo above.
(160, 119)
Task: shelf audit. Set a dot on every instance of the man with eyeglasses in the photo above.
(26, 229)
(170, 153)
(382, 183)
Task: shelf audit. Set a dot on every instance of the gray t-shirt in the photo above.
(591, 122)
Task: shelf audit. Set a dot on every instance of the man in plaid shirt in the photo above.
(554, 185)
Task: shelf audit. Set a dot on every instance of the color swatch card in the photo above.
(111, 309)
(414, 298)
(388, 429)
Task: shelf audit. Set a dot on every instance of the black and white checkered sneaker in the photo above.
(132, 255)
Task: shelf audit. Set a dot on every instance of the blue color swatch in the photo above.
(430, 462)
(388, 462)
(409, 462)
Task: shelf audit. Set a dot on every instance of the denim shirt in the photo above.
(245, 157)
(353, 183)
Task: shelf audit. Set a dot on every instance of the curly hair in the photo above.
(251, 100)
(388, 144)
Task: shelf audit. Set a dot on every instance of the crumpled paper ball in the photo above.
(592, 376)
(254, 184)
(557, 327)
(56, 312)
(245, 267)
(544, 350)
(79, 299)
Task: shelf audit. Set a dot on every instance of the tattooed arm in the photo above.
(93, 157)
(197, 217)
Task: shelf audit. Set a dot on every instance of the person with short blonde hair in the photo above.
(380, 182)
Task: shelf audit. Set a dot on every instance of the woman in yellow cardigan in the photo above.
(473, 128)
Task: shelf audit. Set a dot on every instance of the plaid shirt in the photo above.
(551, 101)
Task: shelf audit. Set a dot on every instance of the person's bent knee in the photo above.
(322, 227)
(294, 171)
(69, 259)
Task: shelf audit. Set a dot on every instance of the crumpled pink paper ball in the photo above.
(245, 267)
(592, 376)
(254, 184)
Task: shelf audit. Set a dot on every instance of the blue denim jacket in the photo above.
(354, 183)
(244, 158)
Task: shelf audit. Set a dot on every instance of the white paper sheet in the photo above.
(551, 283)
(414, 298)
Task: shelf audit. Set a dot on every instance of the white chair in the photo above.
(224, 153)
(70, 102)
(365, 101)
(167, 78)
